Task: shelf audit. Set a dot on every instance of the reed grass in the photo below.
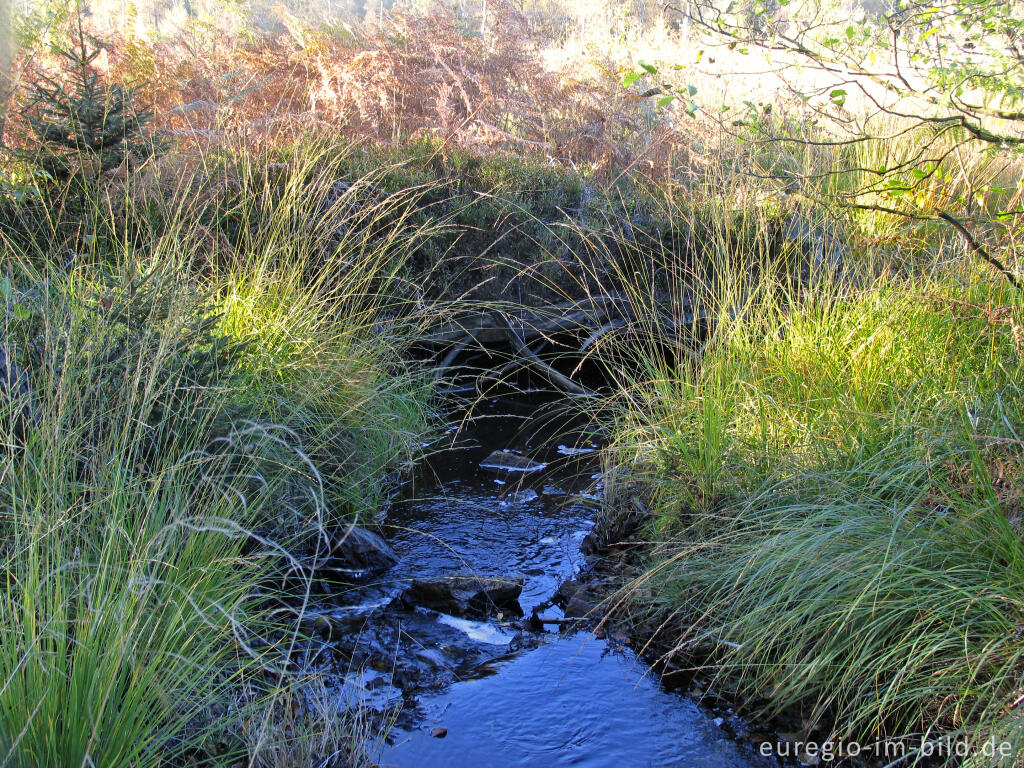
(214, 384)
(835, 483)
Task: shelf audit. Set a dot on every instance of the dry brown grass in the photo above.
(414, 77)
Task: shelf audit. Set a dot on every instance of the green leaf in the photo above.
(838, 97)
(631, 78)
(664, 101)
(650, 68)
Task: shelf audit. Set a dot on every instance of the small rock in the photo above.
(576, 600)
(579, 606)
(362, 551)
(439, 733)
(433, 658)
(322, 624)
(533, 623)
(466, 595)
(565, 591)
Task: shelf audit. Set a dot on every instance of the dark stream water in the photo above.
(493, 695)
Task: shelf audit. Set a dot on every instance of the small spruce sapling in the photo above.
(83, 125)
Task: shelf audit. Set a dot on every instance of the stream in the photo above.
(511, 497)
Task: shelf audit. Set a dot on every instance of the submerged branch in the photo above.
(558, 379)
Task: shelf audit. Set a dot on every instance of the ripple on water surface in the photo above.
(469, 527)
(570, 702)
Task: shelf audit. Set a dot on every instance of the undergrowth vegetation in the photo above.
(197, 402)
(837, 495)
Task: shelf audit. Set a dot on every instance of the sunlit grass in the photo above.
(836, 486)
(201, 408)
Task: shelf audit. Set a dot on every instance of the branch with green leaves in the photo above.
(947, 76)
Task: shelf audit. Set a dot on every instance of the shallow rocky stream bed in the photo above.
(441, 643)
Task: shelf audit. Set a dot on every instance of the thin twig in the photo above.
(979, 249)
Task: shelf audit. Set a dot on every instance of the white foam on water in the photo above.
(361, 608)
(491, 462)
(567, 451)
(480, 631)
(519, 497)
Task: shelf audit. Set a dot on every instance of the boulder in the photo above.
(361, 552)
(466, 595)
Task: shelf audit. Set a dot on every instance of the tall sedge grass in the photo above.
(882, 597)
(835, 478)
(123, 596)
(877, 590)
(791, 387)
(317, 285)
(215, 387)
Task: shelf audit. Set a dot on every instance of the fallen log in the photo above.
(453, 353)
(596, 336)
(489, 328)
(558, 379)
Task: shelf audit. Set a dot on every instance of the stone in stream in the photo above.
(434, 658)
(466, 595)
(507, 461)
(362, 552)
(576, 599)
